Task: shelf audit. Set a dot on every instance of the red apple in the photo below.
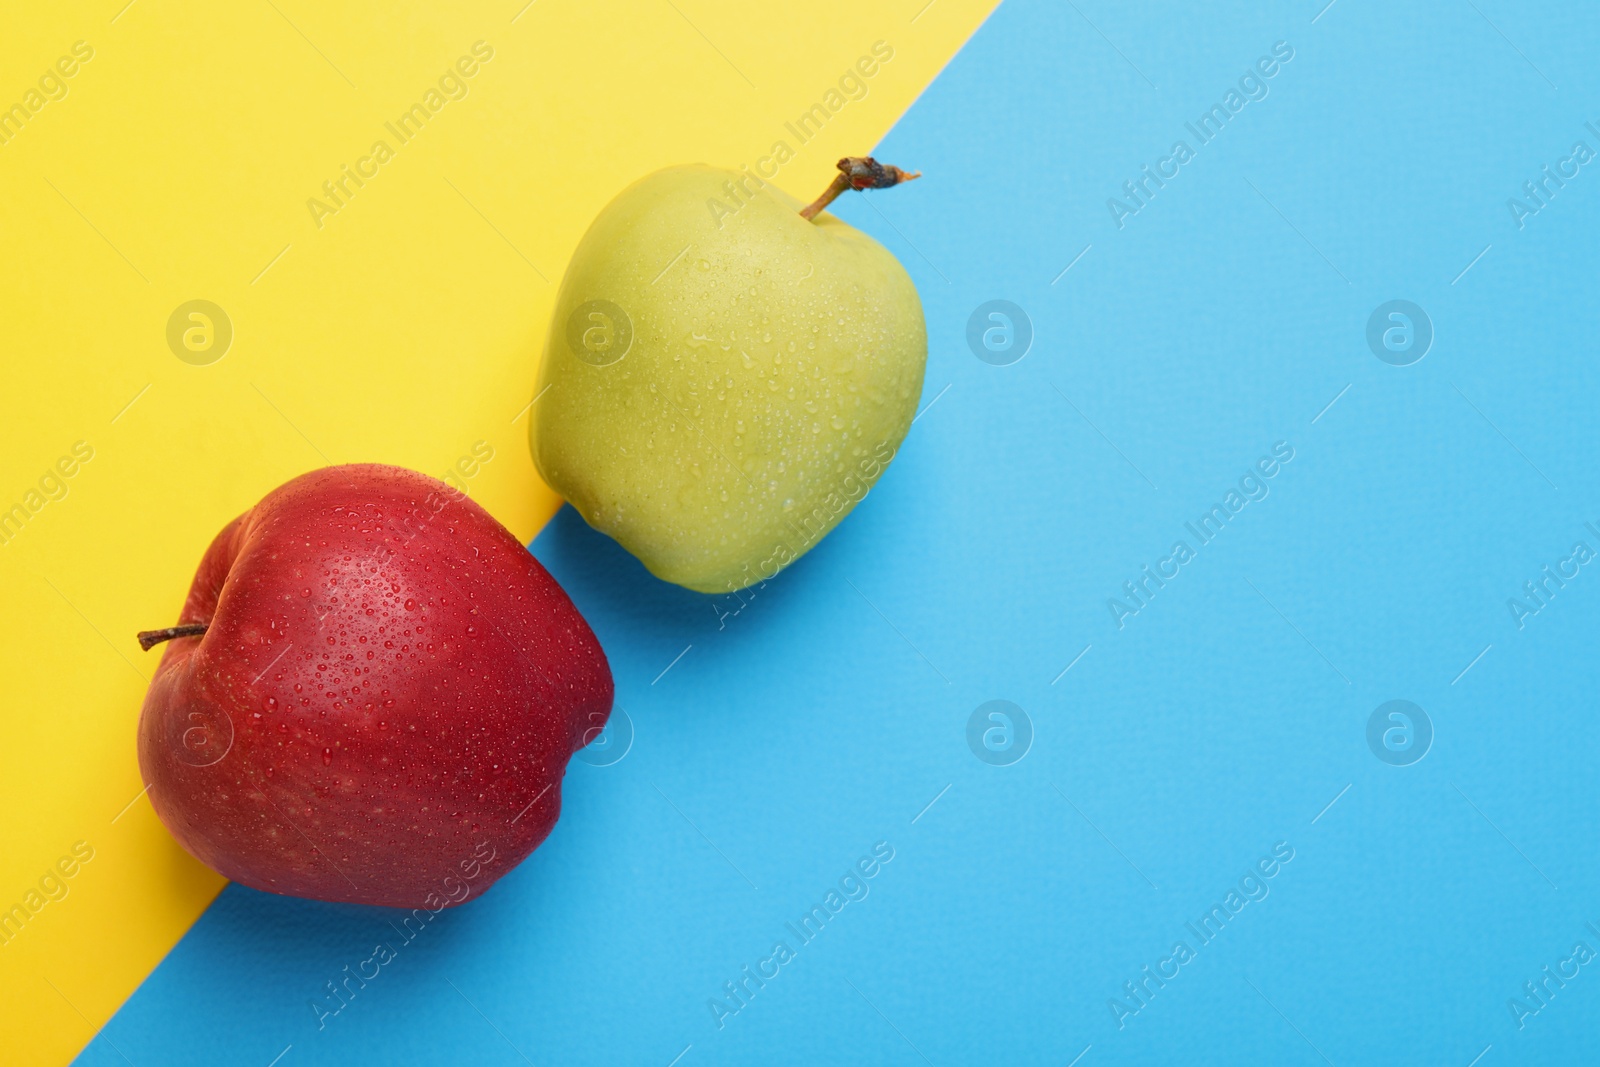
(371, 697)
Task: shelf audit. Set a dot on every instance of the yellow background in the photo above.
(404, 330)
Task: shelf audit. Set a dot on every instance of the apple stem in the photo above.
(857, 172)
(149, 639)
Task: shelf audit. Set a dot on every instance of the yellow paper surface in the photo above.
(398, 322)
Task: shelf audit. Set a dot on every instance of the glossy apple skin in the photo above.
(383, 706)
(774, 368)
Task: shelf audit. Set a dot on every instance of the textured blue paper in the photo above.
(1228, 717)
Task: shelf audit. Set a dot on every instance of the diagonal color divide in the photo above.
(344, 348)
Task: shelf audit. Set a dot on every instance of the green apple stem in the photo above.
(149, 639)
(857, 172)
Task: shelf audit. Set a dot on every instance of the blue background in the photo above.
(1222, 719)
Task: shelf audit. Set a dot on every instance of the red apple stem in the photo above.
(857, 172)
(149, 639)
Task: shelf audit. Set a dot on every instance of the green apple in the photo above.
(726, 377)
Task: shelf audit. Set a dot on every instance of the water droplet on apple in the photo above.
(411, 604)
(327, 758)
